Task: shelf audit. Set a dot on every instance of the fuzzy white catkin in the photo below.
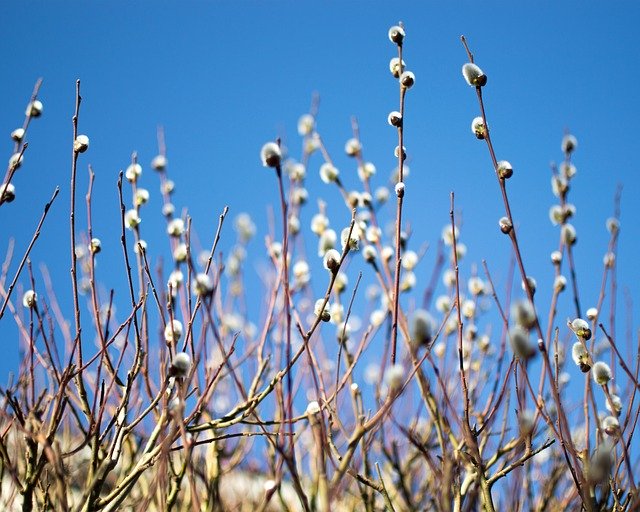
(34, 109)
(270, 154)
(319, 222)
(328, 172)
(95, 246)
(176, 278)
(7, 192)
(81, 144)
(581, 328)
(407, 79)
(173, 331)
(313, 407)
(141, 197)
(505, 169)
(353, 239)
(448, 234)
(327, 241)
(423, 327)
(394, 118)
(168, 187)
(140, 246)
(443, 303)
(17, 134)
(132, 219)
(29, 299)
(409, 260)
(532, 284)
(377, 317)
(478, 128)
(521, 343)
(615, 405)
(611, 425)
(394, 377)
(395, 66)
(15, 160)
(175, 227)
(408, 281)
(369, 253)
(475, 286)
(366, 171)
(159, 163)
(569, 143)
(613, 225)
(523, 313)
(305, 124)
(301, 273)
(133, 172)
(352, 147)
(323, 312)
(181, 364)
(396, 34)
(601, 373)
(568, 234)
(579, 353)
(202, 285)
(559, 283)
(473, 74)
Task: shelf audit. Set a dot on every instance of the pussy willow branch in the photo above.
(28, 117)
(468, 434)
(565, 438)
(400, 196)
(132, 296)
(20, 146)
(613, 282)
(36, 234)
(11, 170)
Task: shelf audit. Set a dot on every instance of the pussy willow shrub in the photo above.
(375, 392)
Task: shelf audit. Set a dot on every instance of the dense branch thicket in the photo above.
(372, 393)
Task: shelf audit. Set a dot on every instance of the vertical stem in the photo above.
(74, 278)
(400, 196)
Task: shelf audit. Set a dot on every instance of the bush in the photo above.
(375, 393)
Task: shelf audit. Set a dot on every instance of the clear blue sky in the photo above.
(223, 78)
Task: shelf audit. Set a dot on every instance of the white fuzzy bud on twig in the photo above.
(29, 299)
(270, 154)
(407, 79)
(569, 144)
(133, 172)
(95, 246)
(395, 68)
(505, 225)
(328, 172)
(580, 356)
(581, 328)
(159, 163)
(34, 109)
(180, 365)
(601, 373)
(505, 170)
(7, 192)
(173, 331)
(474, 75)
(478, 128)
(395, 118)
(81, 144)
(17, 134)
(396, 35)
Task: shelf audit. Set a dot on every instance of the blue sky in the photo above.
(223, 78)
